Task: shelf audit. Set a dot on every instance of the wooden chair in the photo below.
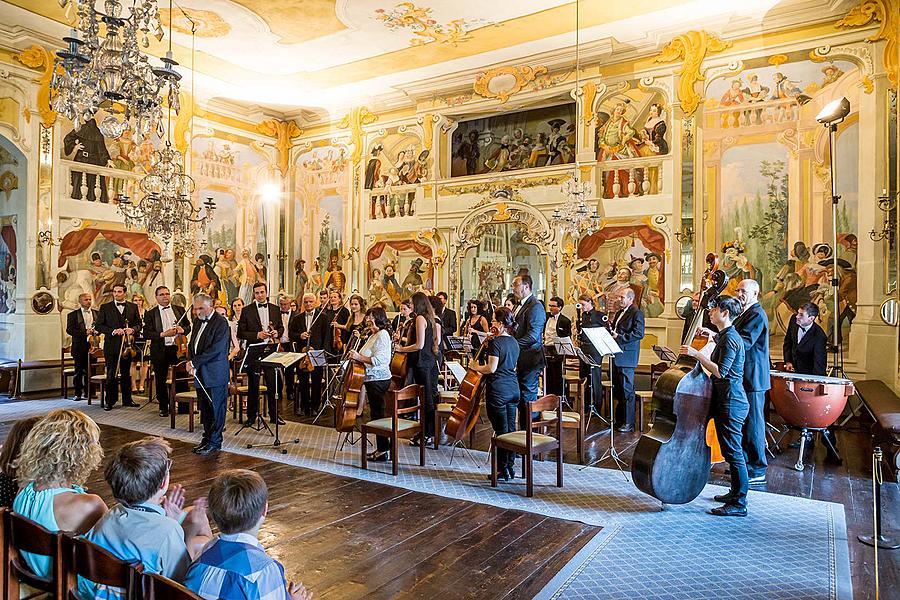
(396, 428)
(529, 443)
(24, 535)
(90, 561)
(573, 419)
(178, 374)
(96, 378)
(242, 392)
(644, 397)
(442, 411)
(157, 587)
(65, 372)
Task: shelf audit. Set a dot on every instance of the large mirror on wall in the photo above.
(890, 312)
(489, 268)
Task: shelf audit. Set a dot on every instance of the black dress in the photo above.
(9, 488)
(424, 365)
(502, 393)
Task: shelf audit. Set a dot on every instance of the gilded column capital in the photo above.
(38, 57)
(283, 132)
(355, 120)
(692, 48)
(887, 14)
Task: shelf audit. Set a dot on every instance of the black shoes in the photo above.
(163, 413)
(377, 456)
(625, 428)
(729, 510)
(202, 445)
(757, 479)
(207, 450)
(724, 498)
(278, 421)
(130, 404)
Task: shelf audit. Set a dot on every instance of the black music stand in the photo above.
(319, 358)
(253, 359)
(562, 348)
(278, 361)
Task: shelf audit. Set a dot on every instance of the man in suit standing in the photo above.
(256, 319)
(161, 324)
(80, 325)
(806, 343)
(628, 331)
(448, 320)
(208, 352)
(115, 320)
(290, 373)
(557, 326)
(309, 331)
(753, 326)
(529, 332)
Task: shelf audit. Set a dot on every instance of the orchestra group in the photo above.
(514, 347)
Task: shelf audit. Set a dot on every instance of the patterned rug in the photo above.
(786, 548)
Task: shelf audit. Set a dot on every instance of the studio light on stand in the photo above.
(832, 115)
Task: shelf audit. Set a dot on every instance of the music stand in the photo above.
(278, 361)
(252, 359)
(563, 347)
(319, 358)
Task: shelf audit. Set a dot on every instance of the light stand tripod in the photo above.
(254, 356)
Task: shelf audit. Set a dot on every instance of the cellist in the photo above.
(375, 355)
(729, 402)
(502, 391)
(162, 324)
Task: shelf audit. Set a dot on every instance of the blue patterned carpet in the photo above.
(787, 548)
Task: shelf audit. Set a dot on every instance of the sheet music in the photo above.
(481, 336)
(282, 359)
(564, 346)
(601, 340)
(459, 372)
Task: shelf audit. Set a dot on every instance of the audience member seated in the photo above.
(234, 565)
(144, 526)
(57, 457)
(9, 486)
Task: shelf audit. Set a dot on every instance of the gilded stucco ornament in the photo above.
(355, 120)
(283, 132)
(37, 57)
(502, 82)
(692, 48)
(887, 14)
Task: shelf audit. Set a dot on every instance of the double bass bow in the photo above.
(672, 461)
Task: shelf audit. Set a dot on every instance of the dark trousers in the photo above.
(310, 390)
(593, 392)
(375, 391)
(212, 413)
(730, 417)
(623, 392)
(161, 361)
(290, 379)
(427, 377)
(528, 391)
(501, 413)
(122, 369)
(79, 379)
(755, 435)
(253, 391)
(554, 376)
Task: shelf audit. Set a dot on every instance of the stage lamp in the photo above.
(834, 112)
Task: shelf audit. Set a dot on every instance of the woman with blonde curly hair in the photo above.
(57, 457)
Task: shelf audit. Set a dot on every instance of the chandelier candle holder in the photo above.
(574, 217)
(104, 67)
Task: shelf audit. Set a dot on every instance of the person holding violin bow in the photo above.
(260, 322)
(403, 318)
(355, 319)
(166, 327)
(119, 322)
(424, 350)
(375, 355)
(80, 327)
(502, 384)
(336, 314)
(730, 406)
(309, 331)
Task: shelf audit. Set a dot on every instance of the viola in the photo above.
(347, 402)
(672, 461)
(468, 405)
(128, 351)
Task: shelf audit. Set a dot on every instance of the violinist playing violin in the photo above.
(80, 327)
(729, 401)
(117, 321)
(502, 390)
(162, 325)
(260, 322)
(375, 355)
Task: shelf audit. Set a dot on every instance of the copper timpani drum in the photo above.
(809, 401)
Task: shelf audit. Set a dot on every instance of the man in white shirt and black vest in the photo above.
(80, 326)
(260, 322)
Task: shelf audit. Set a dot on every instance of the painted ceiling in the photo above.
(289, 54)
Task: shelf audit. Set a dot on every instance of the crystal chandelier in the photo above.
(105, 68)
(574, 217)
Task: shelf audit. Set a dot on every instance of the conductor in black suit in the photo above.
(806, 343)
(256, 319)
(115, 320)
(530, 317)
(161, 324)
(557, 326)
(627, 331)
(208, 351)
(753, 326)
(80, 325)
(309, 331)
(448, 320)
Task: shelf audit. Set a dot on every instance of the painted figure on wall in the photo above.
(8, 268)
(204, 279)
(334, 279)
(87, 145)
(469, 152)
(391, 286)
(247, 275)
(301, 278)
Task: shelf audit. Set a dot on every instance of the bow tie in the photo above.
(258, 305)
(120, 304)
(165, 307)
(285, 312)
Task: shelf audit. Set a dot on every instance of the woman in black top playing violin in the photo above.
(424, 348)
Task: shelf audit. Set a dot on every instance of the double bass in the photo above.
(672, 461)
(468, 405)
(348, 398)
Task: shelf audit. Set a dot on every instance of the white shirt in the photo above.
(167, 316)
(550, 330)
(88, 316)
(378, 348)
(200, 333)
(263, 316)
(285, 320)
(120, 307)
(801, 331)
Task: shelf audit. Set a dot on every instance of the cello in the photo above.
(672, 461)
(468, 405)
(347, 401)
(400, 360)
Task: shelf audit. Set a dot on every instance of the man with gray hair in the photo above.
(208, 352)
(753, 326)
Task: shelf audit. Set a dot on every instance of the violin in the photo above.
(129, 350)
(181, 340)
(465, 412)
(94, 338)
(306, 363)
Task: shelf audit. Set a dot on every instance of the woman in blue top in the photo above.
(56, 458)
(502, 390)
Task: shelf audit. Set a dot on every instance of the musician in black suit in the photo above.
(753, 326)
(115, 320)
(161, 324)
(688, 316)
(806, 343)
(590, 317)
(628, 331)
(448, 320)
(557, 326)
(260, 322)
(530, 317)
(79, 326)
(309, 331)
(290, 373)
(208, 352)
